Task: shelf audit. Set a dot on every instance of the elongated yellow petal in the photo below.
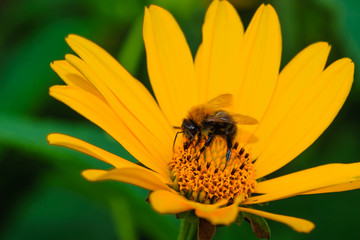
(170, 64)
(260, 54)
(73, 77)
(298, 224)
(63, 140)
(337, 188)
(169, 202)
(306, 115)
(136, 176)
(217, 60)
(118, 162)
(102, 115)
(128, 97)
(305, 181)
(149, 138)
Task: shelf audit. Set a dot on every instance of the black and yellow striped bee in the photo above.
(211, 119)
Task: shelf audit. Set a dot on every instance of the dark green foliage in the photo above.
(259, 225)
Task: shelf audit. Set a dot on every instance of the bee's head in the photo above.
(190, 128)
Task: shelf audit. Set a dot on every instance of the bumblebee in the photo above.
(211, 119)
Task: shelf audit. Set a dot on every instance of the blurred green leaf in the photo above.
(30, 135)
(123, 218)
(239, 219)
(258, 224)
(117, 10)
(346, 28)
(56, 213)
(288, 14)
(235, 232)
(25, 74)
(132, 49)
(181, 9)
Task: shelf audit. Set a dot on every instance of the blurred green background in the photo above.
(42, 194)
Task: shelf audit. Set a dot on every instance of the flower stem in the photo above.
(188, 231)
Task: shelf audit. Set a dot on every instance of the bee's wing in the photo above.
(234, 118)
(244, 119)
(221, 117)
(220, 102)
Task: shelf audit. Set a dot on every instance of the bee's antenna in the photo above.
(175, 138)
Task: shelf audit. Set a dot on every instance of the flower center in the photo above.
(207, 177)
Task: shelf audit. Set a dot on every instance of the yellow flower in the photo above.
(293, 108)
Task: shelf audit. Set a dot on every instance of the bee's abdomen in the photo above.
(220, 128)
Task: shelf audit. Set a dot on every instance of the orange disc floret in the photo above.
(207, 177)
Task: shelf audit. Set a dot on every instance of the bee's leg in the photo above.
(199, 138)
(207, 143)
(175, 139)
(229, 140)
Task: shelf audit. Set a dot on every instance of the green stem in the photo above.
(188, 231)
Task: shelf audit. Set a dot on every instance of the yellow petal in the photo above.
(337, 188)
(223, 215)
(300, 120)
(170, 64)
(298, 224)
(148, 137)
(102, 115)
(136, 176)
(73, 77)
(128, 97)
(63, 140)
(305, 181)
(260, 54)
(169, 202)
(217, 59)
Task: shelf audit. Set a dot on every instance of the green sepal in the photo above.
(239, 219)
(188, 216)
(181, 215)
(259, 225)
(188, 230)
